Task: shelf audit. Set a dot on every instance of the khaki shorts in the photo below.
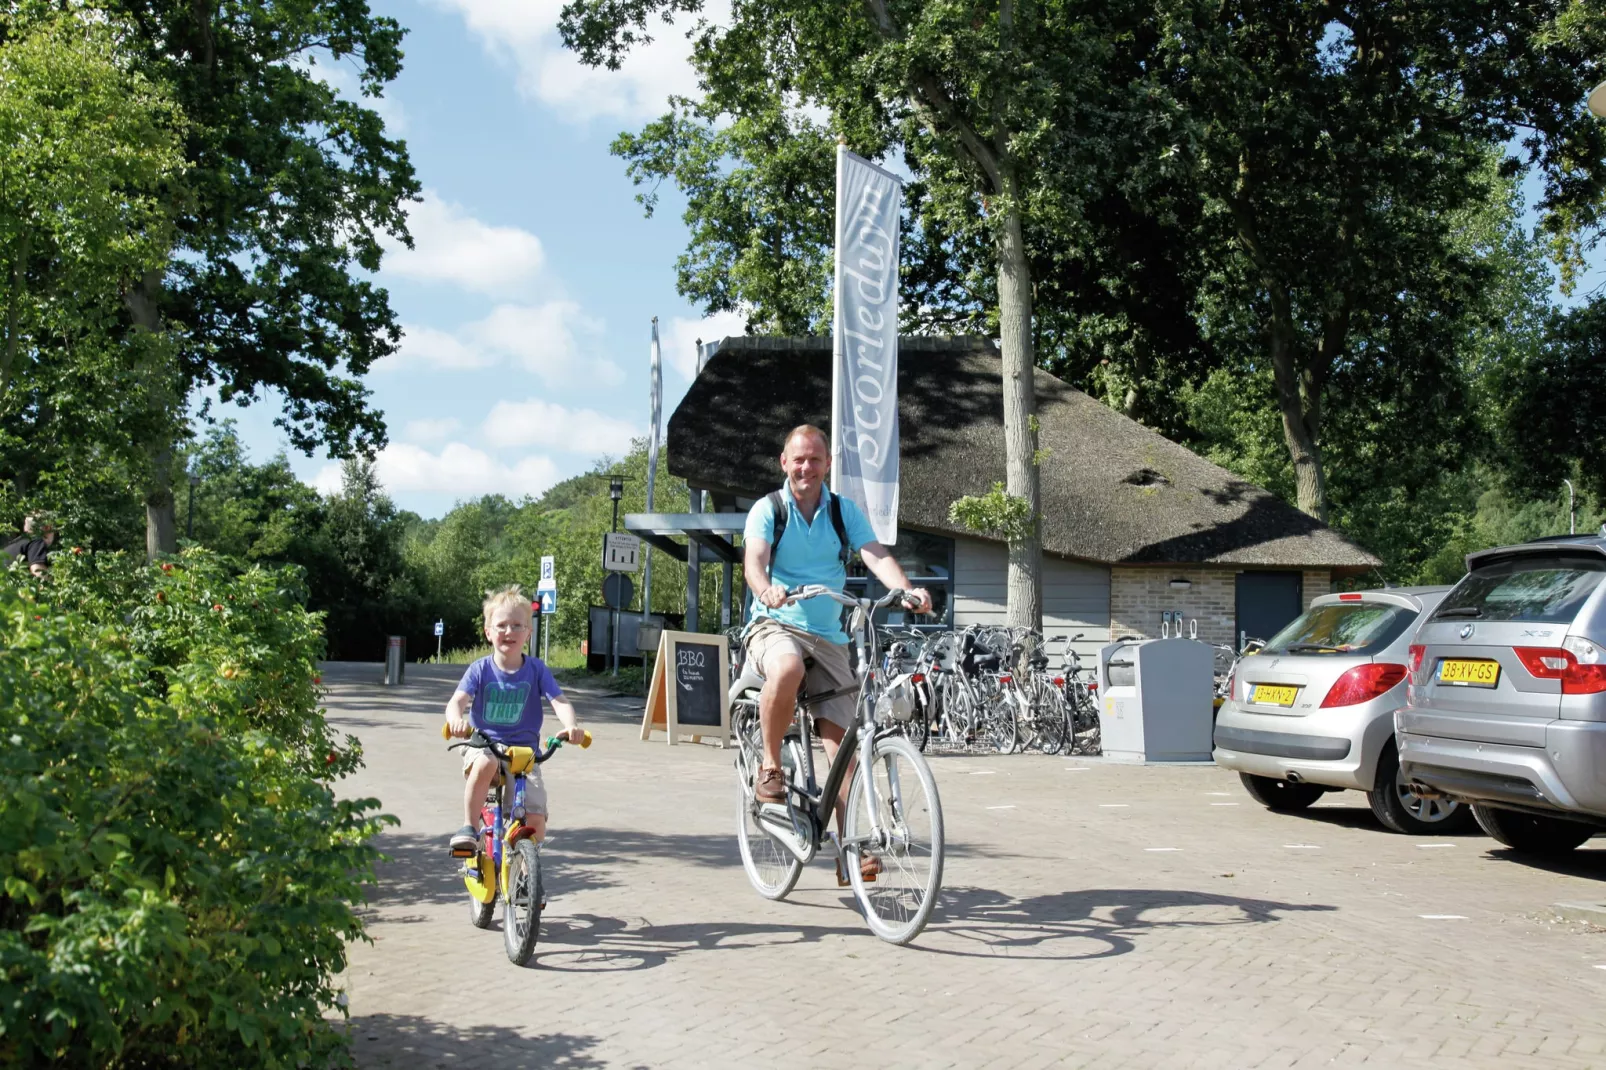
(769, 638)
(534, 787)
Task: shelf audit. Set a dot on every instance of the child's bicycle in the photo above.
(506, 858)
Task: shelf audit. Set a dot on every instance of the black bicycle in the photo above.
(892, 840)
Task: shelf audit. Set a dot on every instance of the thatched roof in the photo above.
(1113, 491)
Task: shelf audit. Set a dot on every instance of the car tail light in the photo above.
(1577, 663)
(1363, 683)
(1349, 598)
(1416, 654)
(1232, 685)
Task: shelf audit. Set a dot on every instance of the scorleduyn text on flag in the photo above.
(864, 381)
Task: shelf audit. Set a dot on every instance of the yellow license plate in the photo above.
(1274, 695)
(1469, 673)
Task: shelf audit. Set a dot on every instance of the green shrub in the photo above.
(177, 878)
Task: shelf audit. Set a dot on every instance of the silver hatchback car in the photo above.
(1507, 696)
(1313, 710)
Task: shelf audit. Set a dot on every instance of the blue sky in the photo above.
(529, 297)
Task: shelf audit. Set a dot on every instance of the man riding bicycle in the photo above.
(818, 532)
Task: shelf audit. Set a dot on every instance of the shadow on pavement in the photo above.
(1361, 817)
(1104, 922)
(1588, 861)
(574, 859)
(589, 943)
(406, 1041)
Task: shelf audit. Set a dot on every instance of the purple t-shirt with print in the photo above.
(507, 705)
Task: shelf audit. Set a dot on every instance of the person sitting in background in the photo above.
(35, 544)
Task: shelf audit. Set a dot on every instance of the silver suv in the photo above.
(1506, 705)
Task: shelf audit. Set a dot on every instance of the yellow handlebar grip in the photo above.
(446, 730)
(586, 742)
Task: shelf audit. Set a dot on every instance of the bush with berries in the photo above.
(178, 879)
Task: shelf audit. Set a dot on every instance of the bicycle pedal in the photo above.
(464, 852)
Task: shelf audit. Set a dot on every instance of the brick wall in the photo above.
(1138, 596)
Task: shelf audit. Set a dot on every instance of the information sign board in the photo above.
(621, 552)
(549, 575)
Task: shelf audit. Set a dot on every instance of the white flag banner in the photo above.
(864, 378)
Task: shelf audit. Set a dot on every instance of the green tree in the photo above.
(277, 221)
(998, 107)
(1332, 144)
(89, 152)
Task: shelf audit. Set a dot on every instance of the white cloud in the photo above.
(425, 432)
(680, 340)
(434, 348)
(328, 481)
(450, 245)
(542, 423)
(556, 340)
(524, 33)
(457, 469)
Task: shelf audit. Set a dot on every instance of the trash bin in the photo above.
(1155, 700)
(395, 660)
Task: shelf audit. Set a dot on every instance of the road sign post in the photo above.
(440, 630)
(617, 591)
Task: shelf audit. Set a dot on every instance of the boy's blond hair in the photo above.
(503, 597)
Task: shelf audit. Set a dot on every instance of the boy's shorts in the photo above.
(534, 787)
(768, 638)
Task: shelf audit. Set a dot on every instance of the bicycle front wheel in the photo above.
(521, 920)
(907, 825)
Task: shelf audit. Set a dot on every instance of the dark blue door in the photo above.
(1267, 603)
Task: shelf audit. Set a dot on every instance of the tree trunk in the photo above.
(1025, 590)
(1298, 398)
(161, 522)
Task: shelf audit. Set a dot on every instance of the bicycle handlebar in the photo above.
(479, 741)
(803, 592)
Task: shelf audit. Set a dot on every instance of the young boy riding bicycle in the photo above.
(500, 696)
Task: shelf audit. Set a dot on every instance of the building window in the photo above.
(928, 561)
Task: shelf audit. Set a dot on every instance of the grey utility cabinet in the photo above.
(1155, 700)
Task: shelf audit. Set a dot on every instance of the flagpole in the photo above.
(652, 468)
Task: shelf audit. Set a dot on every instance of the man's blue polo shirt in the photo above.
(808, 554)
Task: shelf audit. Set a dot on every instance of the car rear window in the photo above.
(1547, 589)
(1342, 630)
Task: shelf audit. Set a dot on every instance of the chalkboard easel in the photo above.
(688, 696)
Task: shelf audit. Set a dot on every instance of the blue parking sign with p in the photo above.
(549, 603)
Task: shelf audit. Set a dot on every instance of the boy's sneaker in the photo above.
(465, 842)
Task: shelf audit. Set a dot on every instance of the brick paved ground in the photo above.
(1113, 917)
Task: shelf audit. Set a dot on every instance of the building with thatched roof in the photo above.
(1138, 531)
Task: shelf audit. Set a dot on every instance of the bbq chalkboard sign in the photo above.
(688, 694)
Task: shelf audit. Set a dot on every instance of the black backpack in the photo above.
(778, 505)
(17, 545)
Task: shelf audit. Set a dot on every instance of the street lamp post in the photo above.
(189, 521)
(1572, 512)
(616, 491)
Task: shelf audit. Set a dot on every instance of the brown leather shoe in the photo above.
(869, 866)
(770, 786)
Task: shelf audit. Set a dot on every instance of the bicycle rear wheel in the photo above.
(772, 870)
(521, 921)
(1050, 717)
(899, 902)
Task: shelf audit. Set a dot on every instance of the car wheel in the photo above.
(1280, 794)
(1402, 810)
(1531, 834)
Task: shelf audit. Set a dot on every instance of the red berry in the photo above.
(217, 608)
(317, 679)
(330, 760)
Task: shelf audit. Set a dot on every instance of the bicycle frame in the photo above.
(820, 800)
(504, 819)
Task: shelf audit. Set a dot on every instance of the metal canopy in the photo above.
(709, 531)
